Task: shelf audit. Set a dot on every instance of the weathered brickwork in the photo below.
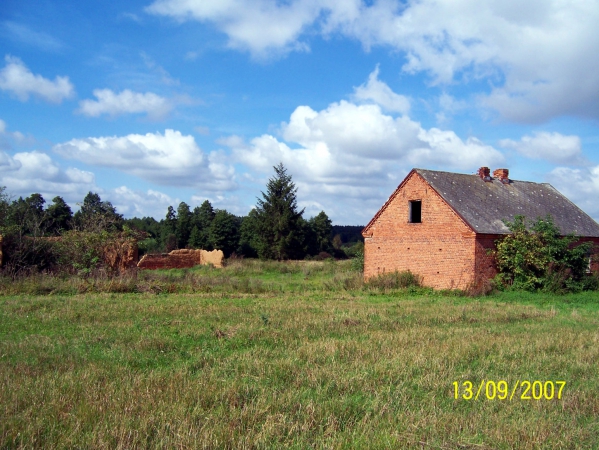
(121, 254)
(180, 259)
(485, 267)
(441, 249)
(418, 230)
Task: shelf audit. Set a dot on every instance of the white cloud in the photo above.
(348, 158)
(8, 163)
(262, 26)
(554, 147)
(125, 102)
(364, 131)
(27, 172)
(449, 106)
(14, 136)
(538, 55)
(134, 203)
(15, 77)
(169, 159)
(579, 185)
(381, 94)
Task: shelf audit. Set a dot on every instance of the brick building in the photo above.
(440, 225)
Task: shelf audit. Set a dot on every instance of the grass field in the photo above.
(297, 355)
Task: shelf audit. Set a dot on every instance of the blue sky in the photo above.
(150, 103)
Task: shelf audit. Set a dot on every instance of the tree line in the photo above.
(274, 229)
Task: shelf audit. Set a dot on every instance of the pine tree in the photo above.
(96, 215)
(249, 235)
(183, 226)
(280, 232)
(58, 215)
(321, 227)
(201, 221)
(224, 232)
(169, 226)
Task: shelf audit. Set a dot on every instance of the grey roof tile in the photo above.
(485, 205)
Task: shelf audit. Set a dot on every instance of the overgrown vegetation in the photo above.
(536, 257)
(238, 276)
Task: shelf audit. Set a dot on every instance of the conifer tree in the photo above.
(278, 219)
(201, 221)
(58, 215)
(183, 226)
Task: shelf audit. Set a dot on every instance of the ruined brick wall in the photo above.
(180, 259)
(215, 257)
(441, 248)
(121, 254)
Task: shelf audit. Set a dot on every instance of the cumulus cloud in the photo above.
(364, 131)
(135, 203)
(125, 102)
(381, 94)
(554, 147)
(347, 158)
(579, 185)
(28, 172)
(16, 78)
(538, 55)
(168, 159)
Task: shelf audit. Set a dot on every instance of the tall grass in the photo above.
(240, 275)
(293, 356)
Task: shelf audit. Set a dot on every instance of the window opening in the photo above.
(415, 211)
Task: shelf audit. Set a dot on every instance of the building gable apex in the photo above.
(366, 231)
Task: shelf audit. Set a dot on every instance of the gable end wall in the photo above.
(441, 249)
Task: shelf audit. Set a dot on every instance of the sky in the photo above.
(153, 102)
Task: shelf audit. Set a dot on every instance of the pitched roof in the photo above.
(484, 205)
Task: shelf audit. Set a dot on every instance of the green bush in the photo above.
(536, 257)
(357, 262)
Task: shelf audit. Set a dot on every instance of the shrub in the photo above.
(25, 254)
(357, 262)
(536, 257)
(84, 252)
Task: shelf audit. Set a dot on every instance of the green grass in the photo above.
(268, 355)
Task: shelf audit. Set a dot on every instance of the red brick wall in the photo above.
(180, 259)
(485, 267)
(441, 249)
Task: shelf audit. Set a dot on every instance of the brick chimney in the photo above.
(484, 173)
(502, 175)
